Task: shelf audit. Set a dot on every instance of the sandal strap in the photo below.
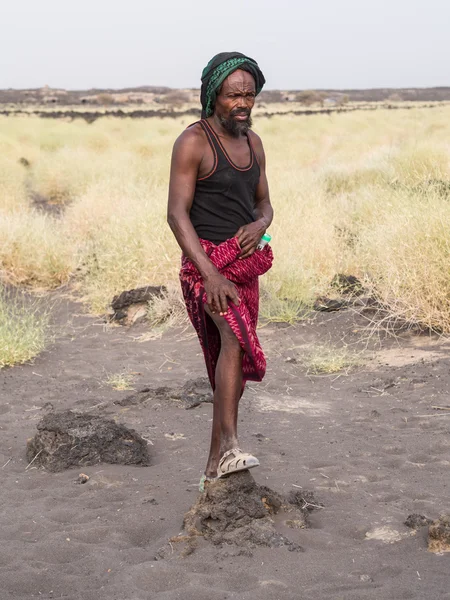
(226, 469)
(233, 464)
(228, 452)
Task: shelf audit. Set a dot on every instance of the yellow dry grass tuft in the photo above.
(24, 329)
(326, 359)
(120, 381)
(34, 250)
(167, 310)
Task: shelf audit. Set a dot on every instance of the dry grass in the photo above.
(167, 310)
(274, 309)
(24, 329)
(34, 250)
(120, 381)
(327, 359)
(363, 193)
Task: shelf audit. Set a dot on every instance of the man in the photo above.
(218, 210)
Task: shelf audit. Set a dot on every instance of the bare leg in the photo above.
(226, 395)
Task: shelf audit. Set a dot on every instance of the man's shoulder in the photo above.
(193, 135)
(257, 146)
(256, 140)
(190, 144)
(254, 136)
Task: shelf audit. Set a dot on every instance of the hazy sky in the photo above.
(298, 44)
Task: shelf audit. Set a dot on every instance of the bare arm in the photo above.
(186, 159)
(250, 234)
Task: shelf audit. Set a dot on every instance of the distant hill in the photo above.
(47, 95)
(158, 94)
(437, 94)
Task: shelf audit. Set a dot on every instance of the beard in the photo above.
(236, 128)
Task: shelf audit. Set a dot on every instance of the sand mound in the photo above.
(66, 439)
(238, 511)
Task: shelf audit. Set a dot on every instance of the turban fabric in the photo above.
(218, 69)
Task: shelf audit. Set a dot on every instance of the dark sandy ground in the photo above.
(368, 444)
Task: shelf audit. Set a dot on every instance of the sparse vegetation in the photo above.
(282, 310)
(105, 99)
(395, 98)
(343, 99)
(360, 193)
(270, 96)
(310, 97)
(176, 98)
(24, 329)
(168, 309)
(120, 381)
(326, 359)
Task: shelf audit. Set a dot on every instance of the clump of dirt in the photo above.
(66, 439)
(324, 304)
(130, 306)
(24, 162)
(416, 521)
(439, 535)
(237, 511)
(193, 393)
(146, 394)
(347, 284)
(54, 206)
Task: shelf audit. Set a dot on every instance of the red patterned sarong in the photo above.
(243, 318)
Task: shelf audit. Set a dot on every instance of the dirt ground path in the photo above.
(368, 443)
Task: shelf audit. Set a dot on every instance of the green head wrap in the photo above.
(218, 69)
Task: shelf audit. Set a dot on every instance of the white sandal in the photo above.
(241, 461)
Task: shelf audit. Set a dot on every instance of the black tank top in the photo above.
(224, 199)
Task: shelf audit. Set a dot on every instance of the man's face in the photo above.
(235, 101)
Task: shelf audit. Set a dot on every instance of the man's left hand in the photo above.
(249, 237)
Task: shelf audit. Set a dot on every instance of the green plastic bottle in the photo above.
(263, 241)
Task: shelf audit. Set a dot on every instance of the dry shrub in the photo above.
(24, 329)
(274, 309)
(33, 251)
(305, 243)
(324, 359)
(343, 99)
(168, 309)
(13, 174)
(120, 381)
(122, 239)
(421, 163)
(407, 253)
(13, 192)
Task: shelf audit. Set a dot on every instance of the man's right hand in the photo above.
(218, 290)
